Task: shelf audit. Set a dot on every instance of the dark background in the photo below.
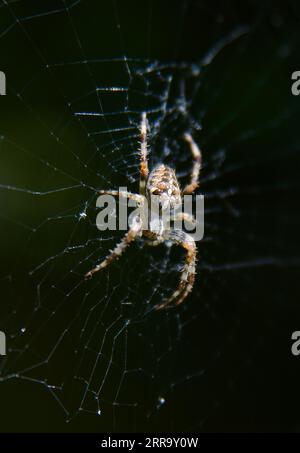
(223, 360)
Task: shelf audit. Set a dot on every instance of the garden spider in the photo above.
(161, 182)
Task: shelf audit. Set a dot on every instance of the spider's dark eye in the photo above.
(156, 192)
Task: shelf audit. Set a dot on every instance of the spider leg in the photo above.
(187, 278)
(144, 170)
(185, 217)
(123, 194)
(130, 236)
(196, 152)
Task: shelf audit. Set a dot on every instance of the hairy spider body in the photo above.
(161, 183)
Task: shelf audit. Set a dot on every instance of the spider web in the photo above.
(79, 75)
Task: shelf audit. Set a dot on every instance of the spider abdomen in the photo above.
(163, 183)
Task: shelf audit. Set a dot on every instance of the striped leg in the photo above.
(130, 236)
(185, 217)
(188, 273)
(144, 170)
(122, 194)
(196, 166)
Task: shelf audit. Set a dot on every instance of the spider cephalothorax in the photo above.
(162, 184)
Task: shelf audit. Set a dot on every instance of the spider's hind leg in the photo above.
(187, 278)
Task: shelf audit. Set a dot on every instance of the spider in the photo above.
(161, 182)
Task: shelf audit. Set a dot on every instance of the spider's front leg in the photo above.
(134, 231)
(189, 270)
(144, 170)
(196, 152)
(123, 194)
